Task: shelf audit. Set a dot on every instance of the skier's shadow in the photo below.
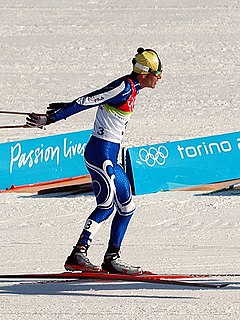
(91, 289)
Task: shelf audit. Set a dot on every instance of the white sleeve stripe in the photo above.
(102, 97)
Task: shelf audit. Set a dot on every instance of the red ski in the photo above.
(179, 280)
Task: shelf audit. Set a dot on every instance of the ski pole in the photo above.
(20, 126)
(20, 113)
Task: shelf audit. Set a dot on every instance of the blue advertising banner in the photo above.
(184, 163)
(42, 159)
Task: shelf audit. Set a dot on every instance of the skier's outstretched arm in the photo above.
(56, 111)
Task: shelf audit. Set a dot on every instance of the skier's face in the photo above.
(152, 79)
(149, 80)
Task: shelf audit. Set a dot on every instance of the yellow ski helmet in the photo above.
(146, 61)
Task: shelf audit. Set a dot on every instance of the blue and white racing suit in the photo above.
(115, 104)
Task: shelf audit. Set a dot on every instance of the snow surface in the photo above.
(59, 50)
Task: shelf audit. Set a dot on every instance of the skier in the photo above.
(112, 190)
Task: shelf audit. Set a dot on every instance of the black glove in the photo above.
(37, 121)
(55, 106)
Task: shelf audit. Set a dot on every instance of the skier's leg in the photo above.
(103, 184)
(99, 156)
(125, 209)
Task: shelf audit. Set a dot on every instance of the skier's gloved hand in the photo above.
(37, 121)
(56, 106)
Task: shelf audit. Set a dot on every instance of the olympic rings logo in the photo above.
(154, 155)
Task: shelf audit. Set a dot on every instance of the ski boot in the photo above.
(78, 260)
(113, 264)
